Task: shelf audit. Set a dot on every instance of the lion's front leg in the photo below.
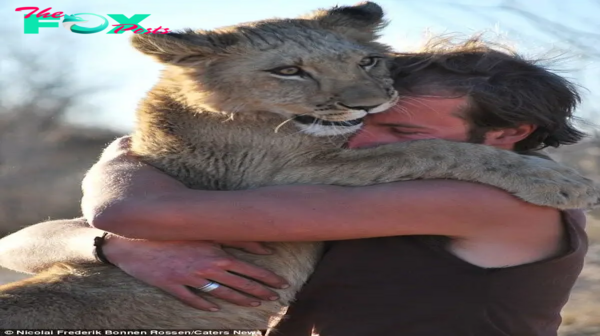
(535, 180)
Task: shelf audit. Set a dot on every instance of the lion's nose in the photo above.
(365, 108)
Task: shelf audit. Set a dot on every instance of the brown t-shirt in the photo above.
(409, 286)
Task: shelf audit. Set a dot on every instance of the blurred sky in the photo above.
(108, 60)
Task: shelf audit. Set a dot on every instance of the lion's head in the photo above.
(324, 70)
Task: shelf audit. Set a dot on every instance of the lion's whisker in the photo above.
(283, 123)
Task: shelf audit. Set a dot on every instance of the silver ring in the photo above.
(209, 287)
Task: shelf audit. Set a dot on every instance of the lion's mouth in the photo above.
(308, 120)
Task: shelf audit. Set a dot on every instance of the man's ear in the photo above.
(508, 136)
(361, 22)
(184, 48)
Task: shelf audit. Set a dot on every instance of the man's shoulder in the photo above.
(522, 235)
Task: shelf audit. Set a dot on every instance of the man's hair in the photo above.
(504, 90)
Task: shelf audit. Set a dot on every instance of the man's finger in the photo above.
(191, 299)
(246, 286)
(225, 293)
(257, 273)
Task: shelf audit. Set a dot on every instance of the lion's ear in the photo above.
(184, 48)
(361, 22)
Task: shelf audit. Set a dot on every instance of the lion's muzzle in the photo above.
(340, 118)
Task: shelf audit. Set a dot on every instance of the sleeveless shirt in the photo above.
(407, 286)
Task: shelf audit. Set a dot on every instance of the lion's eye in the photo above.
(368, 62)
(287, 71)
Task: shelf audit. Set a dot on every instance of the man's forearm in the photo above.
(313, 213)
(37, 247)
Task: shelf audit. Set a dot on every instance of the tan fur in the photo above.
(210, 122)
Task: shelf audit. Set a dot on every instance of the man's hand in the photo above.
(173, 265)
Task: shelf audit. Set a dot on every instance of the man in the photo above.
(453, 258)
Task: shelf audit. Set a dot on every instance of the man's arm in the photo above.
(168, 265)
(37, 247)
(118, 176)
(317, 213)
(135, 200)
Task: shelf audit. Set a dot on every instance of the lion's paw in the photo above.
(547, 183)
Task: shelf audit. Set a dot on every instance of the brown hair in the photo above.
(504, 89)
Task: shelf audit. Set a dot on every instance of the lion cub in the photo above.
(260, 104)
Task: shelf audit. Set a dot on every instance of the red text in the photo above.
(137, 30)
(45, 13)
